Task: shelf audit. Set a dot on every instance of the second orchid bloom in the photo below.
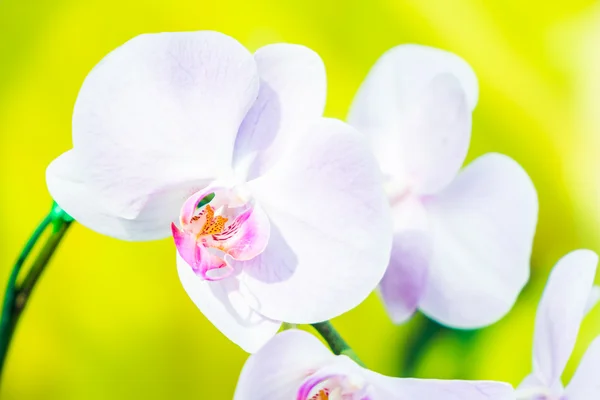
(462, 239)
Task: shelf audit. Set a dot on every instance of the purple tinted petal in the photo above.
(406, 277)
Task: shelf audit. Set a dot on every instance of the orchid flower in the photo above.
(277, 213)
(568, 296)
(296, 365)
(463, 239)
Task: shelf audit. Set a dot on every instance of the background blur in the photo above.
(109, 319)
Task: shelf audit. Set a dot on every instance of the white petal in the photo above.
(278, 369)
(533, 386)
(292, 92)
(159, 111)
(593, 299)
(415, 107)
(430, 389)
(330, 227)
(405, 279)
(68, 186)
(403, 71)
(483, 226)
(223, 303)
(585, 384)
(560, 312)
(531, 382)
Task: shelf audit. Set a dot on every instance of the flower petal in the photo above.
(159, 111)
(406, 276)
(292, 92)
(278, 369)
(585, 384)
(560, 312)
(340, 378)
(426, 389)
(203, 262)
(482, 230)
(415, 107)
(330, 227)
(252, 237)
(225, 306)
(402, 72)
(593, 299)
(532, 387)
(69, 187)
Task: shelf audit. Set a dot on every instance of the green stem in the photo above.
(9, 297)
(286, 325)
(59, 229)
(335, 341)
(17, 296)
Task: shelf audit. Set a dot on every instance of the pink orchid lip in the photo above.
(218, 224)
(317, 388)
(309, 386)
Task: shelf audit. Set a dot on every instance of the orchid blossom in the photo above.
(277, 213)
(568, 296)
(463, 239)
(295, 365)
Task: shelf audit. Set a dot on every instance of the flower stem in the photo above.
(286, 325)
(336, 343)
(17, 295)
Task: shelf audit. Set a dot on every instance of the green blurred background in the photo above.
(110, 320)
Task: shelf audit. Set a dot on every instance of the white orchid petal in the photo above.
(330, 227)
(225, 305)
(533, 387)
(405, 279)
(415, 107)
(160, 111)
(435, 135)
(292, 92)
(593, 299)
(585, 384)
(560, 312)
(70, 189)
(278, 369)
(425, 389)
(403, 71)
(482, 230)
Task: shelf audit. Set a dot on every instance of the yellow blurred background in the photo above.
(109, 319)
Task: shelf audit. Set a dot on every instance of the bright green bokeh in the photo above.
(110, 320)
